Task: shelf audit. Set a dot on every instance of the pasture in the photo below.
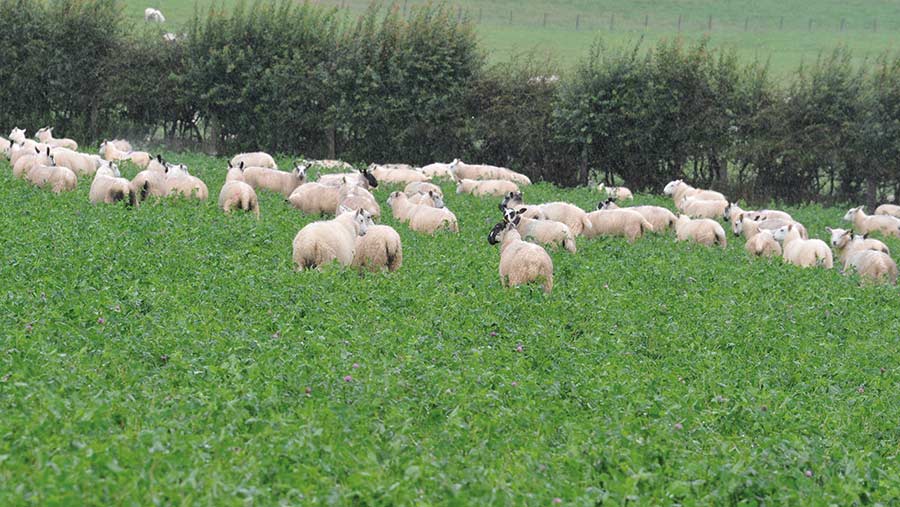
(787, 34)
(169, 354)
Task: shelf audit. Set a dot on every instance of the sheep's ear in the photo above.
(829, 229)
(521, 211)
(36, 149)
(242, 166)
(866, 236)
(48, 151)
(159, 158)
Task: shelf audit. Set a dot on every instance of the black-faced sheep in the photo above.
(521, 262)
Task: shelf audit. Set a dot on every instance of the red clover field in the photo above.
(169, 354)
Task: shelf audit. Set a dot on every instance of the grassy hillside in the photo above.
(169, 354)
(767, 30)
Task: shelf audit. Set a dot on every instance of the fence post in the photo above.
(545, 20)
(577, 20)
(709, 23)
(679, 22)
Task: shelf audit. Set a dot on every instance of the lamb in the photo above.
(427, 199)
(321, 243)
(315, 198)
(152, 15)
(617, 222)
(704, 231)
(803, 252)
(460, 170)
(379, 248)
(888, 209)
(437, 170)
(733, 210)
(421, 218)
(59, 179)
(110, 187)
(865, 224)
(678, 189)
(422, 187)
(546, 232)
(281, 182)
(385, 174)
(520, 262)
(237, 194)
(256, 159)
(846, 243)
(697, 208)
(481, 188)
(872, 265)
(363, 178)
(618, 193)
(79, 163)
(180, 182)
(660, 218)
(763, 244)
(354, 197)
(45, 135)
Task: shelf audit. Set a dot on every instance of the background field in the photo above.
(169, 354)
(780, 31)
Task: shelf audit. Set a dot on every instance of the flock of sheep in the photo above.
(353, 239)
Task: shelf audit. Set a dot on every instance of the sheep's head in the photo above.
(363, 220)
(671, 186)
(394, 197)
(370, 178)
(852, 213)
(609, 203)
(176, 169)
(726, 215)
(299, 170)
(17, 135)
(840, 237)
(782, 232)
(437, 199)
(737, 226)
(496, 234)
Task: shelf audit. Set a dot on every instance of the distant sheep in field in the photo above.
(152, 15)
(255, 159)
(327, 164)
(281, 182)
(463, 171)
(316, 199)
(888, 209)
(362, 178)
(678, 189)
(845, 242)
(236, 194)
(803, 252)
(617, 193)
(546, 232)
(396, 175)
(321, 243)
(482, 188)
(380, 248)
(422, 187)
(437, 170)
(617, 222)
(45, 135)
(421, 218)
(79, 163)
(43, 174)
(703, 231)
(733, 210)
(865, 224)
(25, 159)
(760, 242)
(698, 208)
(111, 153)
(521, 262)
(660, 218)
(180, 182)
(110, 187)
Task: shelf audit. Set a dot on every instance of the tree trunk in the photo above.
(330, 135)
(871, 192)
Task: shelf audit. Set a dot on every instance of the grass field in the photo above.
(170, 355)
(766, 30)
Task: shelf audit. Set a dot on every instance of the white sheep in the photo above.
(328, 164)
(255, 159)
(59, 179)
(356, 197)
(316, 199)
(678, 189)
(481, 188)
(140, 158)
(45, 135)
(545, 232)
(110, 187)
(17, 135)
(865, 224)
(5, 146)
(872, 265)
(462, 171)
(235, 172)
(701, 208)
(152, 15)
(422, 187)
(237, 194)
(362, 178)
(180, 182)
(385, 173)
(111, 153)
(888, 209)
(515, 200)
(421, 218)
(321, 243)
(521, 262)
(274, 180)
(79, 163)
(660, 218)
(846, 243)
(24, 159)
(733, 210)
(763, 244)
(703, 231)
(763, 223)
(427, 199)
(379, 248)
(617, 222)
(148, 182)
(437, 170)
(803, 252)
(617, 193)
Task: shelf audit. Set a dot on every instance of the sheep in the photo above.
(733, 210)
(152, 15)
(546, 232)
(427, 199)
(515, 200)
(355, 197)
(149, 182)
(110, 187)
(703, 230)
(763, 223)
(281, 182)
(386, 174)
(888, 209)
(237, 194)
(872, 265)
(379, 248)
(660, 218)
(678, 189)
(460, 171)
(699, 208)
(157, 165)
(17, 135)
(79, 163)
(802, 252)
(481, 188)
(119, 144)
(111, 153)
(520, 262)
(865, 224)
(763, 244)
(180, 182)
(235, 172)
(316, 199)
(363, 178)
(421, 218)
(422, 187)
(328, 164)
(59, 179)
(321, 243)
(25, 159)
(437, 170)
(846, 243)
(45, 135)
(5, 146)
(618, 193)
(255, 159)
(617, 222)
(140, 158)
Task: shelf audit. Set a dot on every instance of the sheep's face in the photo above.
(496, 234)
(671, 186)
(115, 170)
(607, 204)
(726, 215)
(840, 237)
(176, 170)
(438, 201)
(299, 171)
(363, 220)
(737, 227)
(17, 135)
(851, 214)
(780, 233)
(393, 198)
(370, 178)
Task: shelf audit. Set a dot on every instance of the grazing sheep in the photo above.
(421, 218)
(803, 252)
(617, 193)
(363, 178)
(865, 224)
(872, 265)
(545, 232)
(79, 163)
(152, 15)
(148, 182)
(327, 164)
(888, 209)
(255, 159)
(481, 188)
(315, 198)
(274, 180)
(237, 194)
(678, 189)
(354, 197)
(110, 187)
(660, 218)
(462, 171)
(180, 182)
(59, 179)
(379, 248)
(734, 210)
(698, 208)
(763, 244)
(704, 231)
(437, 170)
(45, 135)
(846, 243)
(321, 243)
(617, 222)
(520, 262)
(399, 175)
(157, 165)
(422, 187)
(140, 158)
(427, 199)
